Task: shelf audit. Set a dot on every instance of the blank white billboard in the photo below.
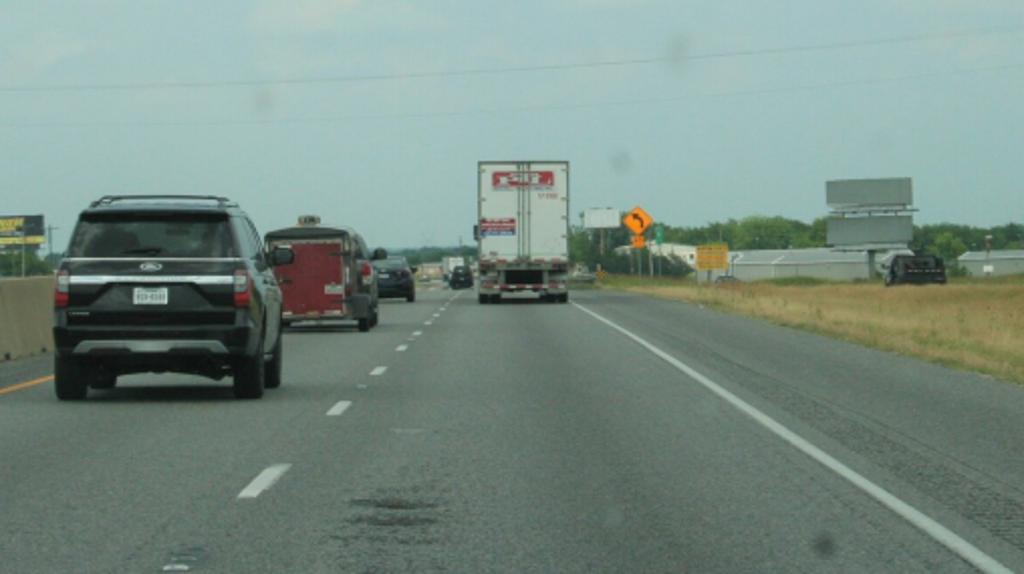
(896, 191)
(870, 230)
(606, 218)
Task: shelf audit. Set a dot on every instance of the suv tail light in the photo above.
(62, 289)
(367, 270)
(243, 288)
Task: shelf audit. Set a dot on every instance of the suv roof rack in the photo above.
(111, 199)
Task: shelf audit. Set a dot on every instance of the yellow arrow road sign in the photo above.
(637, 220)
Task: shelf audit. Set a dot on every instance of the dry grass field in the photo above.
(972, 324)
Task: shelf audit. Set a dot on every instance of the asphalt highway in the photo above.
(615, 433)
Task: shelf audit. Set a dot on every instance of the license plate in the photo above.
(150, 296)
(385, 275)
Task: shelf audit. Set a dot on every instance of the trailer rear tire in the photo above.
(483, 299)
(364, 324)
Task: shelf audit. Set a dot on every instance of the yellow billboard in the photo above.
(22, 229)
(712, 257)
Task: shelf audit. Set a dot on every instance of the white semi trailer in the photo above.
(523, 229)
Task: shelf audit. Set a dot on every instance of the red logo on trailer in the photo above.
(518, 179)
(505, 226)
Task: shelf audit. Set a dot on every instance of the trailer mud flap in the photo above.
(360, 306)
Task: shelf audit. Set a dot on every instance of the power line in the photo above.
(515, 110)
(506, 70)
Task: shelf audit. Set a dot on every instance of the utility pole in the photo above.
(21, 228)
(49, 240)
(988, 255)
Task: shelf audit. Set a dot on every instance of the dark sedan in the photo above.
(395, 278)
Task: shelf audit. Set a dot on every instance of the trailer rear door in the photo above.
(314, 286)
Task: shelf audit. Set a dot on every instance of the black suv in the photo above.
(461, 278)
(169, 283)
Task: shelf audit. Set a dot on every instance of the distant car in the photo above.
(461, 278)
(395, 278)
(726, 279)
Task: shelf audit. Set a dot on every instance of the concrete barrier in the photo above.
(26, 317)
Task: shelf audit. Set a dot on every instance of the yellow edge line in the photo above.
(26, 385)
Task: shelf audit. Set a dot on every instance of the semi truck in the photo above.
(522, 229)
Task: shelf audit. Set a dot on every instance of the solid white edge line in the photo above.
(378, 371)
(264, 481)
(926, 524)
(339, 408)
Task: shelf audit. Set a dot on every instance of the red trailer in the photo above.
(331, 278)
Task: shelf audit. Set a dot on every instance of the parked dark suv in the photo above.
(915, 269)
(167, 284)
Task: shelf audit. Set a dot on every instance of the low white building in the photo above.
(687, 253)
(822, 263)
(752, 265)
(982, 263)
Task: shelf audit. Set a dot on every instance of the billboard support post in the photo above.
(21, 229)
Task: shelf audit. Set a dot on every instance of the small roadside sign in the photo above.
(637, 220)
(712, 257)
(638, 241)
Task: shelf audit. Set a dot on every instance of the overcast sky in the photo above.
(374, 113)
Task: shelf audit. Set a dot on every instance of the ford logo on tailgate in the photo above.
(151, 266)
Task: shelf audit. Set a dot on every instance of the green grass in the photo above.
(972, 324)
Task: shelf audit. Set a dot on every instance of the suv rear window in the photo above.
(152, 235)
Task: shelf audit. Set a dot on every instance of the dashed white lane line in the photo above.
(339, 408)
(429, 323)
(378, 371)
(401, 348)
(926, 524)
(264, 481)
(417, 333)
